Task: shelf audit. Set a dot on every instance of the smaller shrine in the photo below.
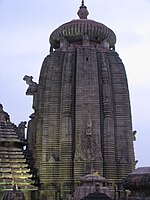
(96, 196)
(93, 186)
(13, 195)
(138, 183)
(15, 173)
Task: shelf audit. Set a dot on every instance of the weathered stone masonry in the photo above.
(82, 120)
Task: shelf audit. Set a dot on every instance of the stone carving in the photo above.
(136, 161)
(123, 160)
(21, 128)
(105, 44)
(86, 40)
(4, 117)
(32, 89)
(63, 43)
(52, 159)
(88, 150)
(134, 135)
(83, 12)
(89, 128)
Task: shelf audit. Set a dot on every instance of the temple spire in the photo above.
(83, 12)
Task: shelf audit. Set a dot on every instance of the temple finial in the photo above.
(82, 3)
(83, 12)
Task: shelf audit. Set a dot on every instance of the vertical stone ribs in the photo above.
(66, 114)
(122, 117)
(107, 135)
(88, 142)
(48, 119)
(116, 125)
(84, 122)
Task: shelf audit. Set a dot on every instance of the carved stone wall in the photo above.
(82, 120)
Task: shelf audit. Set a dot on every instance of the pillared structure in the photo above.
(82, 119)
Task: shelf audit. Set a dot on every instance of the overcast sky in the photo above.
(25, 27)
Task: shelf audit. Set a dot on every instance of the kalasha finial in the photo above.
(82, 3)
(83, 12)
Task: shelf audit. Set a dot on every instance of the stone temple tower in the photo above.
(82, 119)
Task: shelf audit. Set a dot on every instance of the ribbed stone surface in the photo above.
(13, 166)
(76, 29)
(82, 118)
(138, 182)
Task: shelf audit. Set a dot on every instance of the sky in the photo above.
(25, 27)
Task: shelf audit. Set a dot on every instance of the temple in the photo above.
(81, 122)
(82, 119)
(14, 170)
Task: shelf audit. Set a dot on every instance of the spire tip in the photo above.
(82, 3)
(83, 12)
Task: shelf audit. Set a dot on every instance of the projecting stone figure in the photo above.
(4, 116)
(82, 120)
